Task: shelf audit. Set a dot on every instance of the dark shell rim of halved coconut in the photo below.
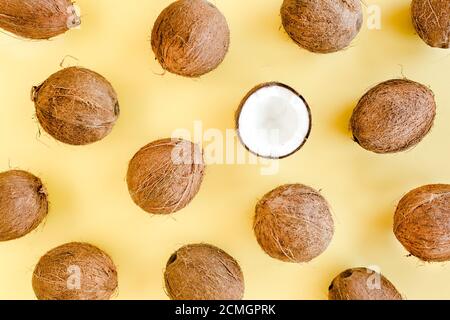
(249, 94)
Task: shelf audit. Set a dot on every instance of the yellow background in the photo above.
(86, 185)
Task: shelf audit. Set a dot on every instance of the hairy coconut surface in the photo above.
(273, 121)
(165, 175)
(37, 19)
(393, 116)
(322, 26)
(422, 222)
(75, 271)
(190, 38)
(293, 223)
(431, 18)
(362, 284)
(203, 272)
(76, 106)
(23, 204)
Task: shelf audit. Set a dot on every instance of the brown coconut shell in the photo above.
(75, 271)
(322, 26)
(37, 19)
(190, 38)
(165, 175)
(362, 284)
(23, 204)
(203, 272)
(76, 106)
(421, 222)
(393, 116)
(431, 19)
(293, 223)
(254, 90)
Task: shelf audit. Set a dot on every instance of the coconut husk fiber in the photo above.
(190, 38)
(76, 106)
(431, 19)
(23, 204)
(422, 222)
(393, 116)
(362, 284)
(293, 223)
(322, 26)
(203, 272)
(165, 175)
(75, 271)
(37, 19)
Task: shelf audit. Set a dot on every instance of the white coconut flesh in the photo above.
(274, 122)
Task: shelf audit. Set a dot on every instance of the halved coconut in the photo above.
(273, 121)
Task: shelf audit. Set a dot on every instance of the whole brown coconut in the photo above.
(37, 19)
(431, 18)
(362, 284)
(203, 272)
(190, 38)
(393, 116)
(322, 26)
(165, 175)
(293, 223)
(422, 222)
(75, 271)
(23, 204)
(76, 106)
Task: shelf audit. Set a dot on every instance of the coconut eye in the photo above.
(172, 259)
(117, 109)
(346, 274)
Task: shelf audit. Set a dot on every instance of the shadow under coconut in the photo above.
(268, 23)
(59, 204)
(378, 240)
(242, 43)
(399, 20)
(342, 119)
(135, 106)
(141, 275)
(319, 280)
(381, 229)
